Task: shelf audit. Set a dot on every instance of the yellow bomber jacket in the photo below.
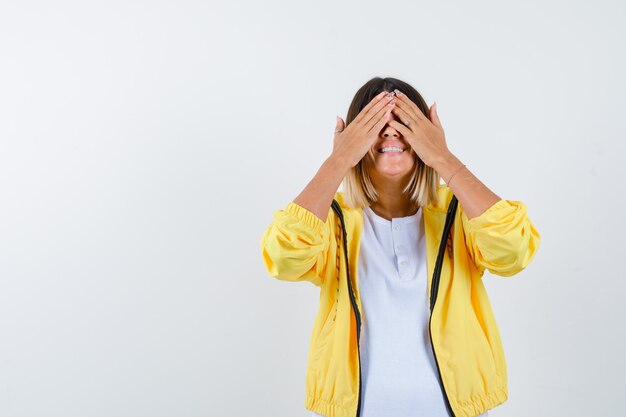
(299, 246)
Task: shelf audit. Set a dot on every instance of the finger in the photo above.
(408, 110)
(402, 114)
(369, 105)
(434, 116)
(412, 106)
(382, 121)
(374, 113)
(400, 127)
(372, 108)
(339, 126)
(380, 114)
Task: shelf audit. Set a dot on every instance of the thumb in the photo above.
(339, 126)
(434, 117)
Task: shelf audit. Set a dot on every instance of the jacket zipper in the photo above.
(443, 388)
(434, 290)
(355, 308)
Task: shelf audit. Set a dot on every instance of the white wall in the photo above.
(144, 147)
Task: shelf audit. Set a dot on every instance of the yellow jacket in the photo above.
(298, 246)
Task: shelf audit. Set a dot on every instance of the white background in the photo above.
(144, 147)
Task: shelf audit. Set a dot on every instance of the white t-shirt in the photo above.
(398, 369)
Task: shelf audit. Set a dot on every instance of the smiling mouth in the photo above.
(395, 150)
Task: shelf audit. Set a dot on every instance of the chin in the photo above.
(392, 165)
(394, 169)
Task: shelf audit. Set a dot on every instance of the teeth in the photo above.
(391, 149)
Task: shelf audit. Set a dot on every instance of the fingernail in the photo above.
(397, 92)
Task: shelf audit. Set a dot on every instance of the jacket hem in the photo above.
(481, 403)
(478, 405)
(328, 408)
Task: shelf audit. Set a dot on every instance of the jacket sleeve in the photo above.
(295, 246)
(502, 239)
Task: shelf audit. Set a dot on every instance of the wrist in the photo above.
(338, 162)
(447, 165)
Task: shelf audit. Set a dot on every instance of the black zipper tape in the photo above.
(355, 308)
(434, 287)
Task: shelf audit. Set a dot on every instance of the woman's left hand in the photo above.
(425, 137)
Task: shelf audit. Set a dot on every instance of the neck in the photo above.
(393, 204)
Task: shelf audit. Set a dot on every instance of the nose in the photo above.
(389, 131)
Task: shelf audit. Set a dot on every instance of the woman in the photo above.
(386, 342)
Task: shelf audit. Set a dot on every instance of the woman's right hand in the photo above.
(352, 143)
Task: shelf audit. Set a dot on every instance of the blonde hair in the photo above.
(358, 189)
